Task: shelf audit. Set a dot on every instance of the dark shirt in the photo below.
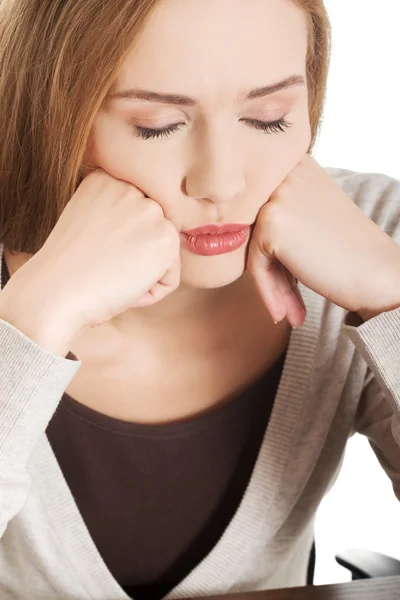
(157, 498)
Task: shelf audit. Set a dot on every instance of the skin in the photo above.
(217, 168)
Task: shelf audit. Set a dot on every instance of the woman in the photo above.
(160, 434)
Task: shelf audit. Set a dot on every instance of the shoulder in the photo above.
(376, 194)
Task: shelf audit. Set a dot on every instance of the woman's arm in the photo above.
(378, 414)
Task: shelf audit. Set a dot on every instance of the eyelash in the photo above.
(267, 127)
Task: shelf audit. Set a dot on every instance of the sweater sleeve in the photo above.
(378, 414)
(32, 382)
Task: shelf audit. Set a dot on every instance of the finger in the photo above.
(295, 307)
(293, 282)
(167, 284)
(294, 312)
(265, 279)
(263, 269)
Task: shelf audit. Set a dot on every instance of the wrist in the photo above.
(40, 319)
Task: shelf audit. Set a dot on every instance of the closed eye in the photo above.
(147, 133)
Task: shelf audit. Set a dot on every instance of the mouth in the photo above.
(210, 240)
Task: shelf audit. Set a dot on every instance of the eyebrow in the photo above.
(150, 96)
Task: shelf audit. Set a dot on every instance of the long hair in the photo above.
(58, 61)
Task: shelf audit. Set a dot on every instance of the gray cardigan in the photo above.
(337, 379)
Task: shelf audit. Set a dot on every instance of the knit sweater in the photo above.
(340, 376)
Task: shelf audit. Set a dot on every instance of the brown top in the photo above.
(174, 486)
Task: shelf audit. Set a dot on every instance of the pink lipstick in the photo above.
(210, 240)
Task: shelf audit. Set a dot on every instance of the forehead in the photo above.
(208, 47)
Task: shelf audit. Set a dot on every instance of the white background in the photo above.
(361, 132)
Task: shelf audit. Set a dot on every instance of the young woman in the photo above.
(164, 430)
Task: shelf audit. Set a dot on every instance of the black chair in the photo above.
(363, 564)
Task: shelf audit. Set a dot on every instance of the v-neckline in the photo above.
(215, 571)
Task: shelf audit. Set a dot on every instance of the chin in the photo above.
(208, 272)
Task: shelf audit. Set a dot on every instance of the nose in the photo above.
(217, 173)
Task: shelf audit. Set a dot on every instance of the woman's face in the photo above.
(217, 165)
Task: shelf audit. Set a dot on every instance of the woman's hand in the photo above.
(310, 229)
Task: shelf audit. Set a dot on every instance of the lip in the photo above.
(211, 244)
(213, 229)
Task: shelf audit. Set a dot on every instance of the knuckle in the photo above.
(271, 215)
(105, 181)
(96, 178)
(97, 173)
(170, 235)
(129, 189)
(153, 208)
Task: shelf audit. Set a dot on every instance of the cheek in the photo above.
(111, 146)
(116, 153)
(270, 168)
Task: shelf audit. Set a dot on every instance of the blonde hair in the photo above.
(59, 60)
